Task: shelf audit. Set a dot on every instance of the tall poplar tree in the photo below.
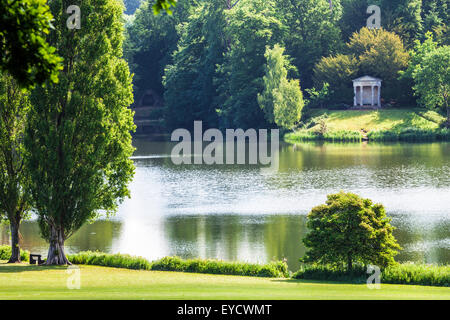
(14, 199)
(78, 138)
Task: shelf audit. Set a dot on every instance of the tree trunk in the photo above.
(349, 263)
(15, 249)
(56, 255)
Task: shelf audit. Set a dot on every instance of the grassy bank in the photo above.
(33, 282)
(372, 125)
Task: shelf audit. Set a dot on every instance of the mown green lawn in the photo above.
(384, 119)
(33, 282)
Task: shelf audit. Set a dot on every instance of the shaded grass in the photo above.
(407, 273)
(114, 283)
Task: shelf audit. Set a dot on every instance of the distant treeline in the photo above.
(208, 60)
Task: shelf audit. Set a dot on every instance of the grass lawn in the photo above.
(390, 119)
(32, 282)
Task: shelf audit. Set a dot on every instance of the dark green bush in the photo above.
(5, 254)
(406, 273)
(273, 269)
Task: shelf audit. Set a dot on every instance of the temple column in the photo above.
(354, 98)
(379, 96)
(372, 95)
(361, 91)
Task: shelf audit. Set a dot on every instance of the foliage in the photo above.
(25, 54)
(251, 26)
(318, 98)
(330, 136)
(14, 198)
(381, 54)
(131, 6)
(348, 229)
(273, 269)
(313, 32)
(150, 41)
(5, 254)
(432, 80)
(406, 273)
(78, 139)
(164, 5)
(338, 72)
(377, 53)
(282, 99)
(110, 260)
(189, 80)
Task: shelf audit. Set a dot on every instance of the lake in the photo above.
(240, 212)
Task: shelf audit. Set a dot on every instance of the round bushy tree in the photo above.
(349, 229)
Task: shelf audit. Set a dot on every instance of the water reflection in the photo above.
(240, 213)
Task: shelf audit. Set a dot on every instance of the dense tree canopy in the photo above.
(189, 80)
(348, 229)
(432, 80)
(211, 53)
(25, 53)
(14, 196)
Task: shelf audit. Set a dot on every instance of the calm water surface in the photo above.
(243, 213)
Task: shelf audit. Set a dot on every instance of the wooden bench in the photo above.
(36, 258)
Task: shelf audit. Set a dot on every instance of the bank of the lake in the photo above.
(32, 282)
(412, 125)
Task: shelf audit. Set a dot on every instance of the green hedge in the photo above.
(407, 273)
(110, 260)
(273, 269)
(5, 254)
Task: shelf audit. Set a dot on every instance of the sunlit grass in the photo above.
(33, 282)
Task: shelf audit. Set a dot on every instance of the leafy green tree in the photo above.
(25, 53)
(313, 32)
(190, 89)
(14, 198)
(348, 229)
(288, 103)
(150, 41)
(318, 98)
(251, 26)
(338, 71)
(282, 99)
(435, 14)
(381, 54)
(377, 53)
(432, 80)
(78, 138)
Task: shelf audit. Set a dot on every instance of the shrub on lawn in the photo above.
(273, 269)
(5, 254)
(407, 273)
(110, 260)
